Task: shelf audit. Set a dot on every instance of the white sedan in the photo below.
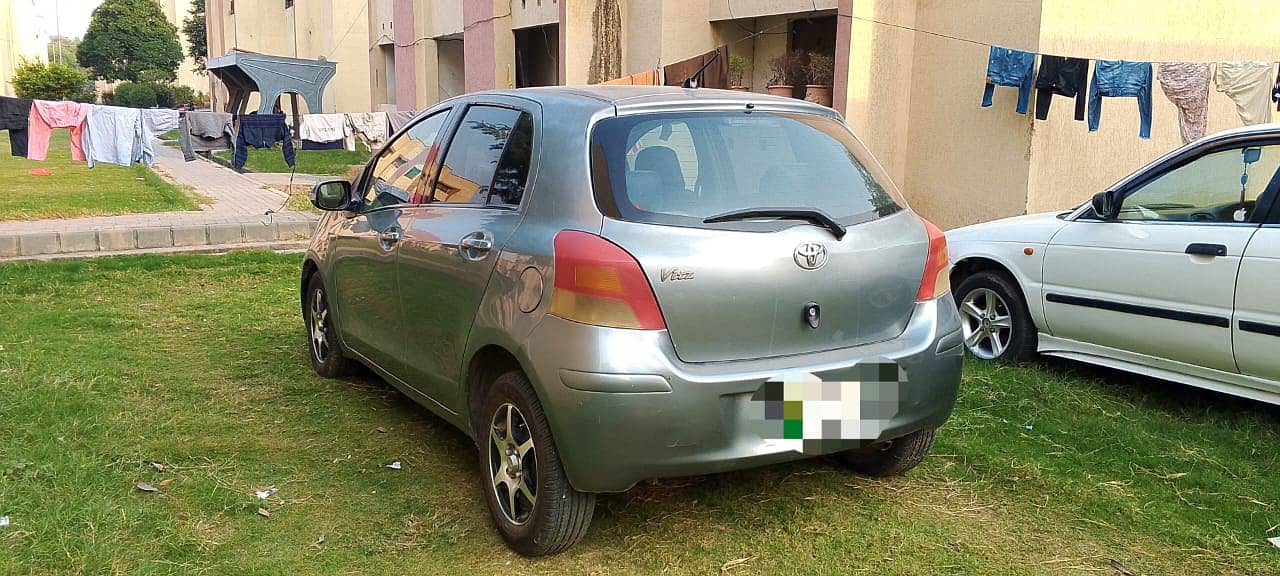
(1173, 272)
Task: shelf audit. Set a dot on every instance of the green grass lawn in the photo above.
(75, 190)
(199, 363)
(319, 162)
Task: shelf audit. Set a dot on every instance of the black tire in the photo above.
(328, 360)
(899, 456)
(559, 515)
(1021, 334)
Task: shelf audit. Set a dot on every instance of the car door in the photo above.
(365, 246)
(1159, 279)
(454, 240)
(1256, 331)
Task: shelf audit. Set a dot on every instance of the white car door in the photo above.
(1158, 279)
(1257, 322)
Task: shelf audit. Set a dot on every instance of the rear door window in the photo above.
(682, 168)
(472, 158)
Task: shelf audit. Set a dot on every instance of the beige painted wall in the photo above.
(337, 30)
(725, 9)
(913, 97)
(528, 13)
(22, 35)
(1128, 29)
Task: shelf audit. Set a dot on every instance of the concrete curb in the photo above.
(274, 246)
(21, 246)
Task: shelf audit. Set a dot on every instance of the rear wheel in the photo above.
(327, 357)
(892, 458)
(530, 499)
(994, 318)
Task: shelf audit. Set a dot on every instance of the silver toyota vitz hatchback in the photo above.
(606, 284)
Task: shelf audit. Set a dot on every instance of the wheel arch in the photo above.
(309, 268)
(486, 365)
(970, 265)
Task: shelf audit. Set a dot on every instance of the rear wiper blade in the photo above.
(815, 216)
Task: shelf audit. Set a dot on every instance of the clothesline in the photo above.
(988, 44)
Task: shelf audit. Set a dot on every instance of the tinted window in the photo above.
(513, 169)
(473, 155)
(681, 168)
(1217, 187)
(397, 176)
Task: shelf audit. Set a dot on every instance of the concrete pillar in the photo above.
(489, 48)
(576, 40)
(406, 55)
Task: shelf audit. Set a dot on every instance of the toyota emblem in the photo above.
(811, 255)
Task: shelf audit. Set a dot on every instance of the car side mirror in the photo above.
(332, 195)
(1104, 205)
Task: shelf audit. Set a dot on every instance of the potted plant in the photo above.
(821, 69)
(737, 69)
(785, 72)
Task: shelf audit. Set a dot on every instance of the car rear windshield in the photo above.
(683, 168)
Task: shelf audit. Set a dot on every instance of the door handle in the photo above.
(1202, 249)
(475, 244)
(389, 236)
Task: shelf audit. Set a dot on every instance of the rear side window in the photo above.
(681, 168)
(471, 161)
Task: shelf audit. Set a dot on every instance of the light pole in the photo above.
(57, 27)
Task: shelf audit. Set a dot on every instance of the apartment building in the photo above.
(23, 34)
(335, 30)
(909, 73)
(175, 11)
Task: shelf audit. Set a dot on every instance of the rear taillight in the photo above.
(937, 267)
(600, 284)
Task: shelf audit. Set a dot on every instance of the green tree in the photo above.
(128, 37)
(197, 40)
(35, 79)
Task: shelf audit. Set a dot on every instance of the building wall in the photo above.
(176, 11)
(23, 34)
(1180, 30)
(914, 97)
(337, 30)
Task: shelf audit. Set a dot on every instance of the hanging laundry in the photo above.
(325, 132)
(397, 120)
(111, 134)
(204, 132)
(1186, 84)
(15, 115)
(1121, 79)
(155, 121)
(1006, 67)
(369, 127)
(262, 131)
(1062, 76)
(45, 116)
(1275, 92)
(1248, 83)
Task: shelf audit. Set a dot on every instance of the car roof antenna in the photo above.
(695, 81)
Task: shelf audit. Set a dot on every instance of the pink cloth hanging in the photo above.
(45, 116)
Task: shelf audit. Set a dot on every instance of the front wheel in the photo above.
(994, 318)
(327, 357)
(530, 499)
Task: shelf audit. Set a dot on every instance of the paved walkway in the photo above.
(237, 198)
(238, 214)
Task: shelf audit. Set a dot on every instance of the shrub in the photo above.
(787, 69)
(821, 69)
(36, 79)
(136, 95)
(737, 68)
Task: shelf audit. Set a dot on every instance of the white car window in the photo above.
(1212, 188)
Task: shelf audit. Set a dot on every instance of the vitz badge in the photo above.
(675, 275)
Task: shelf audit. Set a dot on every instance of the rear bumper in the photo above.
(623, 408)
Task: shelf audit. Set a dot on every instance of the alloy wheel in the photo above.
(986, 323)
(319, 326)
(513, 464)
